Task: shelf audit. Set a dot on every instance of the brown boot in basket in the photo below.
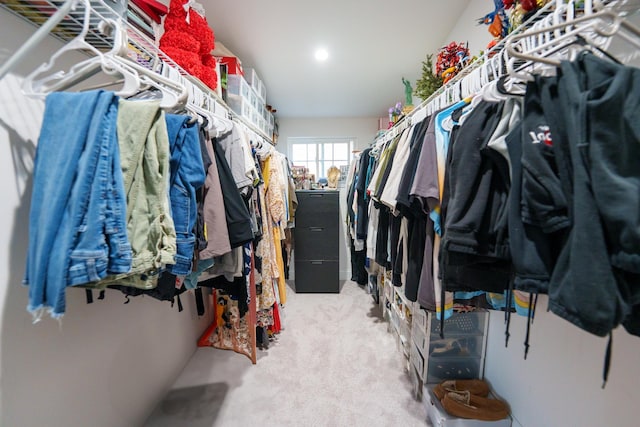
(466, 405)
(475, 387)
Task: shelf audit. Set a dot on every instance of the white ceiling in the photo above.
(372, 44)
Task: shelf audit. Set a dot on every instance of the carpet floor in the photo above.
(334, 364)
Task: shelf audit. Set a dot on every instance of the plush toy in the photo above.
(509, 14)
(189, 40)
(498, 21)
(451, 59)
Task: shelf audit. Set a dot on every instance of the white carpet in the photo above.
(335, 364)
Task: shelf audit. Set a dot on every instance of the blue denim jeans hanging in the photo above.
(77, 231)
(187, 176)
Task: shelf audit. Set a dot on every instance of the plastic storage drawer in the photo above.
(452, 368)
(417, 360)
(460, 324)
(419, 338)
(252, 77)
(463, 346)
(237, 85)
(240, 105)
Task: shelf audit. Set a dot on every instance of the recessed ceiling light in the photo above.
(322, 54)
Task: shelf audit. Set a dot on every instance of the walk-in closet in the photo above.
(335, 214)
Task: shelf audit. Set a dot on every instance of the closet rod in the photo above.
(232, 114)
(501, 47)
(38, 36)
(495, 50)
(250, 125)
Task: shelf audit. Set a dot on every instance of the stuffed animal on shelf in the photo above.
(509, 14)
(451, 59)
(189, 40)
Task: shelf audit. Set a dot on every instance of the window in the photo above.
(319, 154)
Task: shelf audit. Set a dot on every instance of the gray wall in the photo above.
(363, 129)
(105, 364)
(559, 383)
(466, 29)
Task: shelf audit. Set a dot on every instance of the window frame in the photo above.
(320, 143)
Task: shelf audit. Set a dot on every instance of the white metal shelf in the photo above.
(66, 20)
(39, 12)
(619, 6)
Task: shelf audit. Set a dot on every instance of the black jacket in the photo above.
(538, 211)
(474, 251)
(236, 211)
(593, 105)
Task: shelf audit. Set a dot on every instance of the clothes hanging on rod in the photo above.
(165, 248)
(196, 196)
(63, 210)
(508, 187)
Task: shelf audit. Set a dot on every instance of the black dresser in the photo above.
(317, 241)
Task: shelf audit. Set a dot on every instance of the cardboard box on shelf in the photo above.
(233, 64)
(227, 58)
(223, 80)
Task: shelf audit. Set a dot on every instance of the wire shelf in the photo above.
(38, 12)
(622, 7)
(141, 49)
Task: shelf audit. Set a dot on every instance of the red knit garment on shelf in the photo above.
(190, 42)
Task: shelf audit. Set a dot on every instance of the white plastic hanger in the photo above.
(592, 22)
(174, 92)
(222, 120)
(41, 87)
(105, 62)
(114, 62)
(195, 107)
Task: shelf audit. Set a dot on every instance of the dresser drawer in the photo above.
(314, 243)
(317, 276)
(318, 209)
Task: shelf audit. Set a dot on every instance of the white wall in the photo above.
(559, 383)
(106, 364)
(363, 129)
(466, 29)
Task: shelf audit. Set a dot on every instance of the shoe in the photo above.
(466, 405)
(450, 347)
(475, 387)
